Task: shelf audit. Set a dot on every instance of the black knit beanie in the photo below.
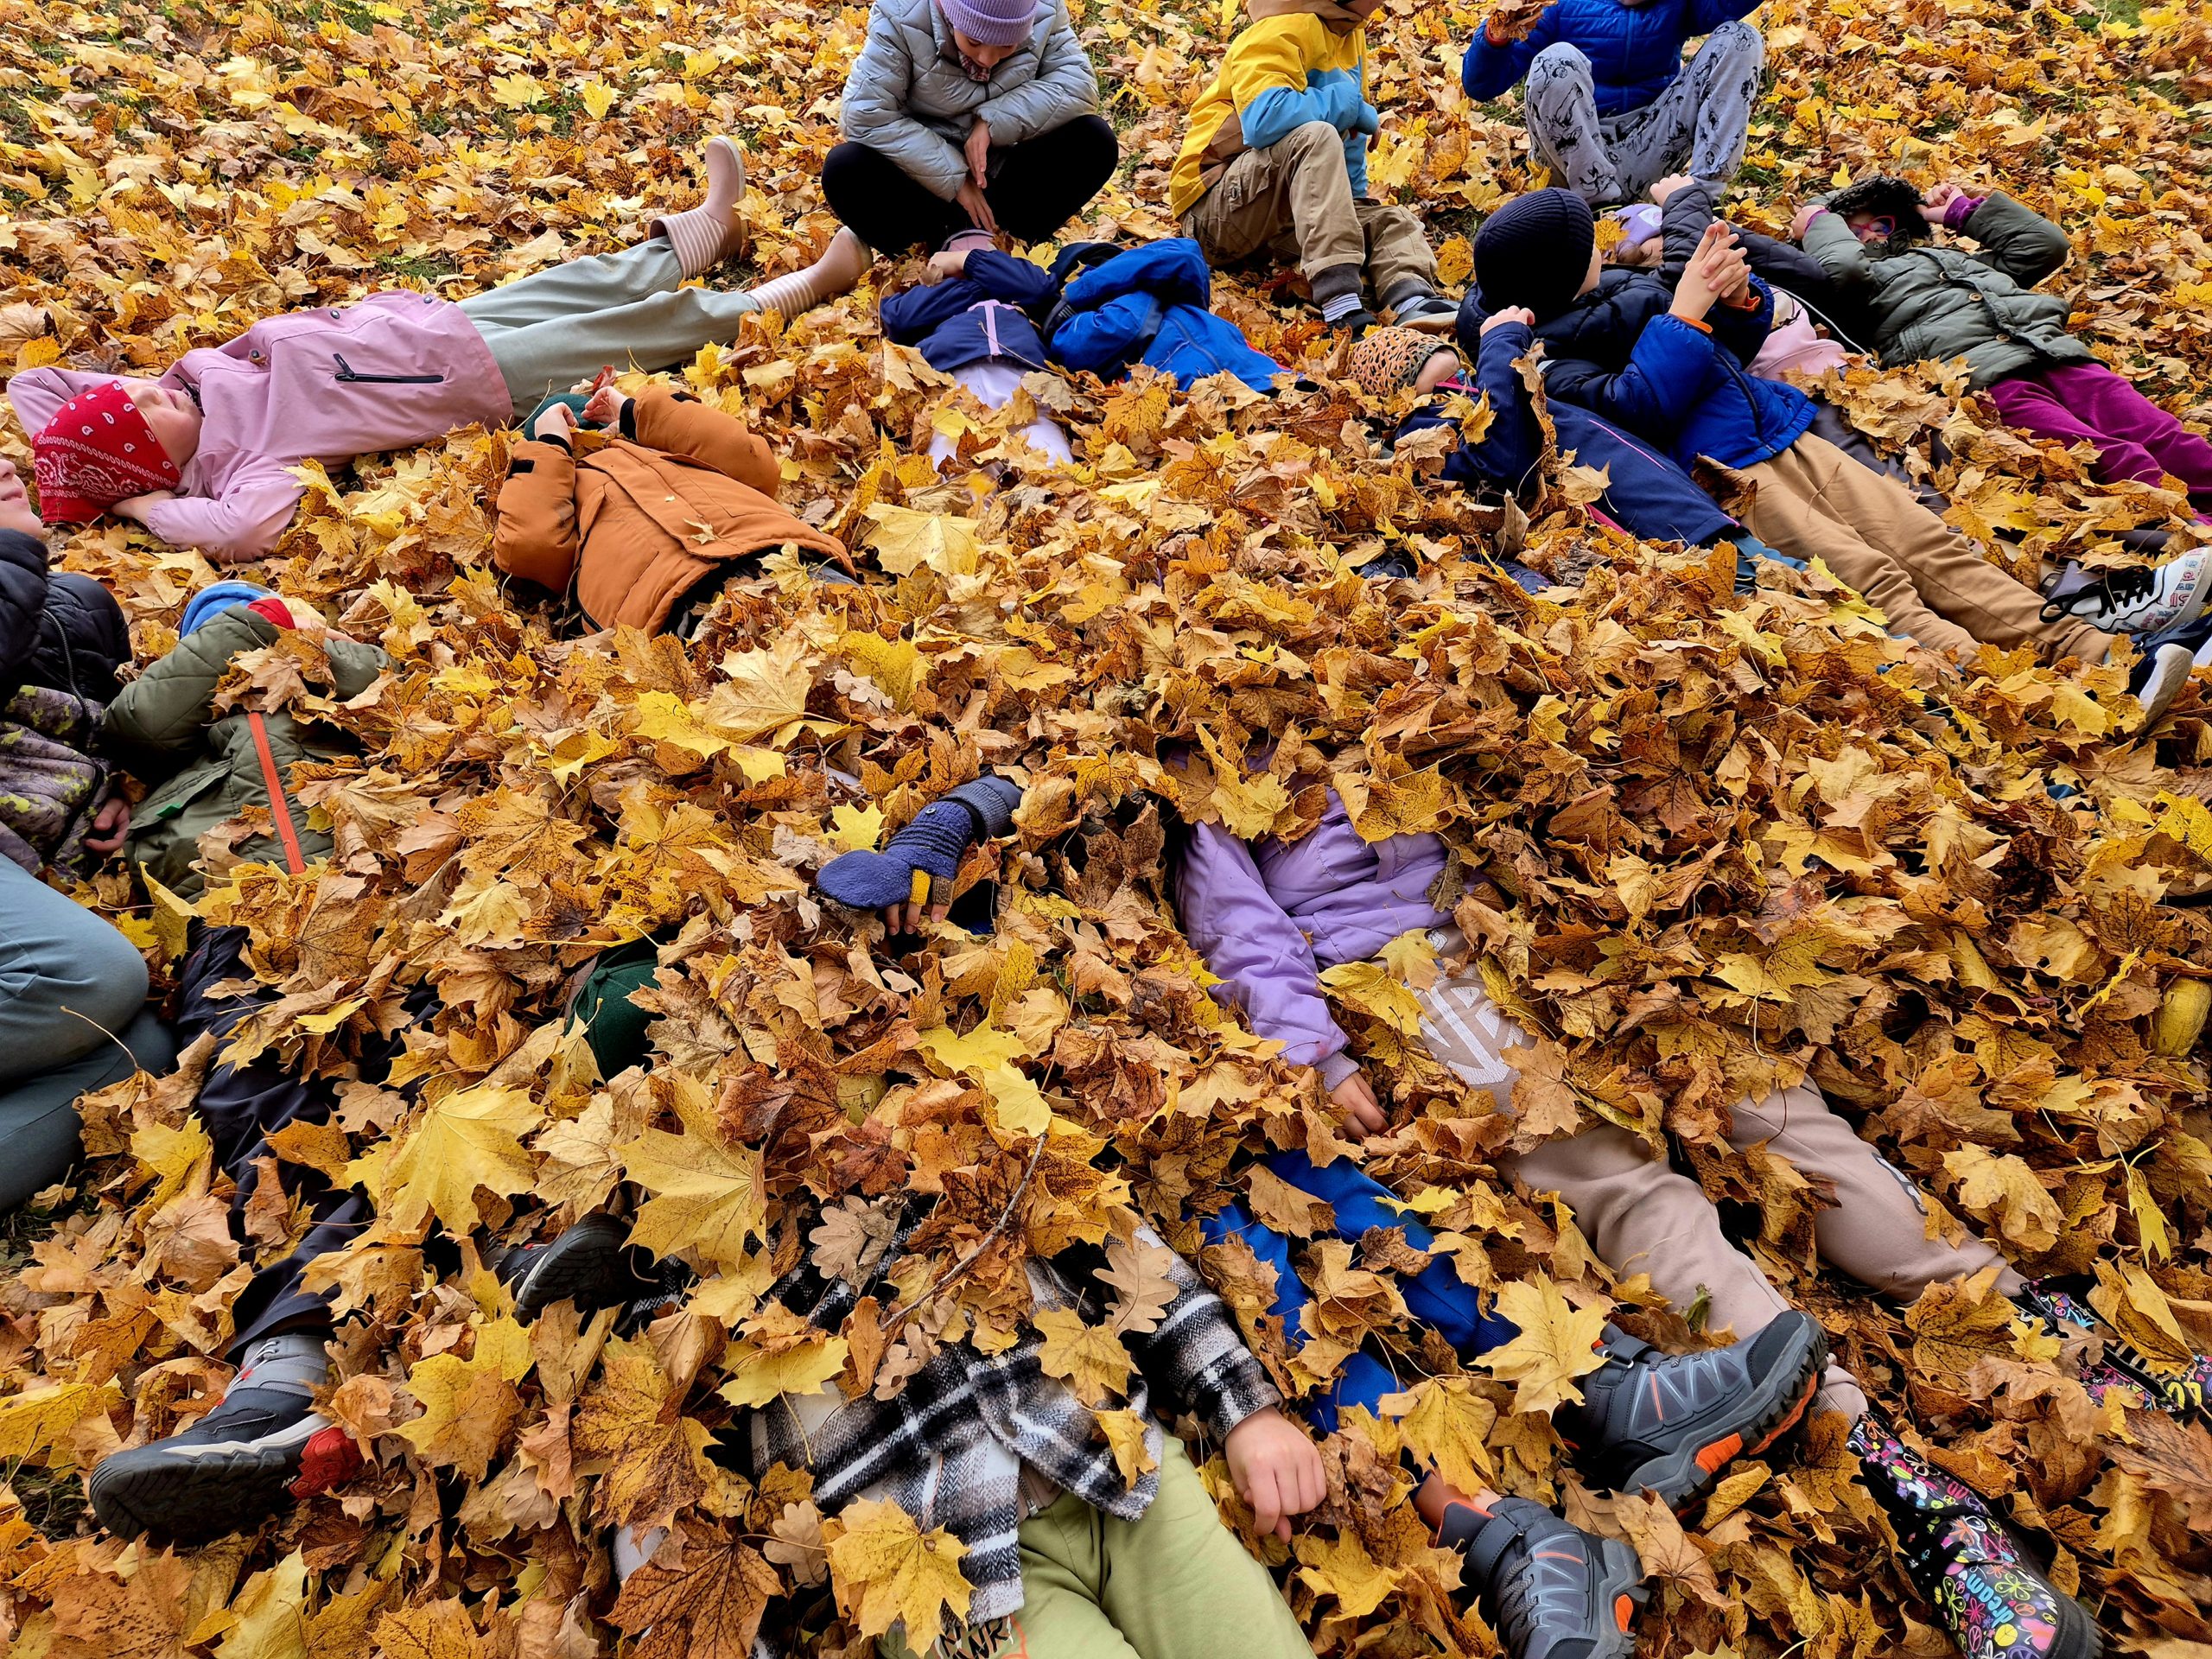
(1535, 251)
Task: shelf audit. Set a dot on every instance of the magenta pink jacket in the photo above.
(394, 371)
(1270, 915)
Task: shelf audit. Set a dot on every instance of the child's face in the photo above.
(1872, 228)
(1590, 276)
(173, 417)
(15, 504)
(1440, 367)
(1640, 256)
(975, 52)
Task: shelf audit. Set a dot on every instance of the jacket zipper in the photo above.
(347, 377)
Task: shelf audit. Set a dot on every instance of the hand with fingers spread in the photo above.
(606, 407)
(1276, 1468)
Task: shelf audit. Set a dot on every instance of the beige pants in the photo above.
(1294, 201)
(1642, 1217)
(1813, 501)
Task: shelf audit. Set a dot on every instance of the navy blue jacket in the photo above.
(986, 313)
(1634, 51)
(1617, 352)
(1647, 495)
(1150, 305)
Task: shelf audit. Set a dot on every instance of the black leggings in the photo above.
(1035, 188)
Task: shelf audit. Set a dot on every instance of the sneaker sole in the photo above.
(1621, 1591)
(194, 1494)
(2157, 693)
(583, 1266)
(1683, 1477)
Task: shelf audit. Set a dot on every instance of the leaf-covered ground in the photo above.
(1707, 844)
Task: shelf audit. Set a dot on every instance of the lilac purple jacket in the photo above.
(396, 370)
(1270, 915)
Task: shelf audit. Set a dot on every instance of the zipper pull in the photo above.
(345, 369)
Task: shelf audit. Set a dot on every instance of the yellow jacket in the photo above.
(1298, 60)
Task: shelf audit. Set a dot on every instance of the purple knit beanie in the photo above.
(992, 22)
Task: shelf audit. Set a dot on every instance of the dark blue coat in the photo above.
(1617, 352)
(1150, 305)
(991, 311)
(1647, 495)
(1634, 51)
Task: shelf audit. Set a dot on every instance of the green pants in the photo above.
(1176, 1584)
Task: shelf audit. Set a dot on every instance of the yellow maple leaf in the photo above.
(1370, 987)
(1128, 1437)
(469, 1404)
(706, 1195)
(179, 1158)
(856, 829)
(1444, 1422)
(2000, 1187)
(465, 1141)
(781, 1354)
(656, 1456)
(763, 693)
(904, 540)
(888, 1571)
(1341, 1566)
(1090, 1356)
(1557, 1344)
(36, 1419)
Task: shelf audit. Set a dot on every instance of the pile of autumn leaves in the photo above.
(1707, 846)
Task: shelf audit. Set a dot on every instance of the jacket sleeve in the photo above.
(1102, 340)
(1655, 392)
(354, 666)
(1195, 1359)
(1513, 447)
(1488, 71)
(167, 706)
(244, 522)
(1743, 329)
(2017, 240)
(1267, 72)
(536, 537)
(1831, 241)
(1682, 224)
(22, 602)
(875, 112)
(912, 316)
(1001, 276)
(677, 425)
(1250, 944)
(1064, 87)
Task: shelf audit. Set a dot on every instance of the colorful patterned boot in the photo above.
(1987, 1595)
(2124, 1370)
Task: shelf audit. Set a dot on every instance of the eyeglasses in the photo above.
(1880, 227)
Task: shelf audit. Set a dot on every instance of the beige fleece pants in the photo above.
(1642, 1216)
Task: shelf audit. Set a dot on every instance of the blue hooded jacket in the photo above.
(1647, 495)
(1634, 51)
(988, 312)
(1150, 305)
(1618, 352)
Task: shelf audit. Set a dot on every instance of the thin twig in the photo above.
(906, 1311)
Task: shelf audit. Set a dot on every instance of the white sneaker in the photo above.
(2157, 680)
(2141, 600)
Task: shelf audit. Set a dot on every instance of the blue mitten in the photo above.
(932, 843)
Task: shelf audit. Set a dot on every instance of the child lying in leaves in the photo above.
(203, 456)
(643, 521)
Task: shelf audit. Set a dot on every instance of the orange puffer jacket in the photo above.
(637, 523)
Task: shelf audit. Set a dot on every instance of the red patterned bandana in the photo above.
(98, 451)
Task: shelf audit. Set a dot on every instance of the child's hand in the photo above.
(1520, 313)
(1355, 1096)
(606, 407)
(136, 507)
(1937, 202)
(557, 424)
(1803, 222)
(1713, 272)
(978, 151)
(108, 826)
(951, 263)
(1277, 1469)
(1667, 186)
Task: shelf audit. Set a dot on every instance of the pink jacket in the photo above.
(396, 370)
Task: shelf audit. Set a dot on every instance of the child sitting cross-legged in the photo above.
(1667, 362)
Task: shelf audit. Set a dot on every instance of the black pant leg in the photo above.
(886, 206)
(1038, 186)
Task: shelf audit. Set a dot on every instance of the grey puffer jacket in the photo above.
(1942, 302)
(909, 96)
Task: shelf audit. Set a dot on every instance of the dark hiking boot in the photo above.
(1550, 1590)
(1670, 1423)
(1989, 1598)
(589, 1265)
(263, 1447)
